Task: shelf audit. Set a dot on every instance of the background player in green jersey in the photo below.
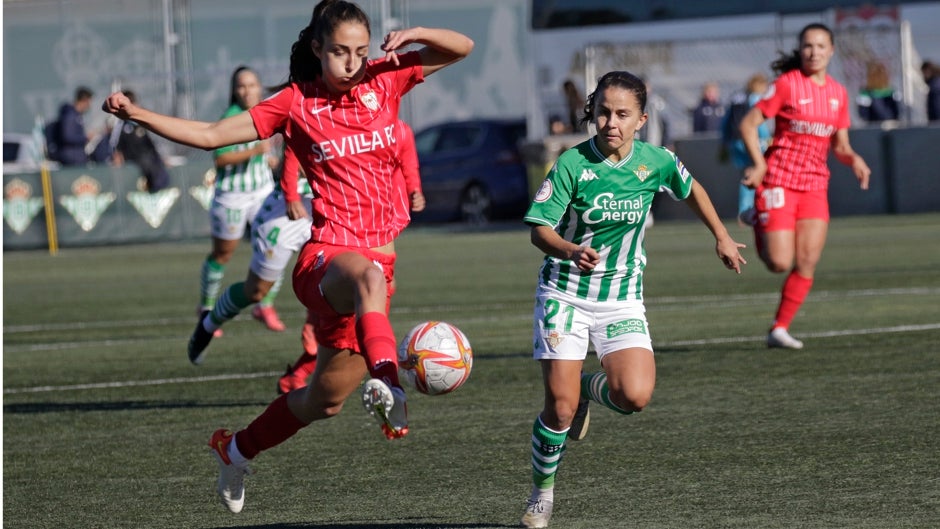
(243, 180)
(588, 217)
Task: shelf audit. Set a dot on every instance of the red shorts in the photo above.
(331, 328)
(778, 208)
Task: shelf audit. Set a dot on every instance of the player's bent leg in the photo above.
(264, 310)
(631, 378)
(339, 372)
(228, 306)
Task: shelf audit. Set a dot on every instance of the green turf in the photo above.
(843, 434)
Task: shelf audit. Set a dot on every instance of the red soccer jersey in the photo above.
(346, 145)
(807, 116)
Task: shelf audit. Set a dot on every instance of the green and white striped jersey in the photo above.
(253, 175)
(589, 200)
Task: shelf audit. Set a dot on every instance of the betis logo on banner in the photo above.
(19, 205)
(204, 193)
(86, 203)
(153, 207)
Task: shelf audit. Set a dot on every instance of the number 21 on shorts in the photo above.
(558, 314)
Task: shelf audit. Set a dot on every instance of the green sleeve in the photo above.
(554, 196)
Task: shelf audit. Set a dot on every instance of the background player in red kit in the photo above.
(811, 111)
(338, 115)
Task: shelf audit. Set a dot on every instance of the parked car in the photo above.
(21, 153)
(472, 171)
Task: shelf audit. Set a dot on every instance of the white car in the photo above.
(21, 154)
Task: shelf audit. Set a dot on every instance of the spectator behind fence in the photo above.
(709, 113)
(877, 101)
(733, 146)
(132, 144)
(931, 73)
(656, 130)
(575, 104)
(66, 137)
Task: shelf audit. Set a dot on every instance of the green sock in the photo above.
(594, 387)
(547, 448)
(268, 299)
(232, 302)
(210, 282)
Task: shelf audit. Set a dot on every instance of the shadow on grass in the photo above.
(366, 525)
(55, 407)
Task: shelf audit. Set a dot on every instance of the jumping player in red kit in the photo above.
(339, 116)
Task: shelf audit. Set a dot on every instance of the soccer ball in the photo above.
(435, 357)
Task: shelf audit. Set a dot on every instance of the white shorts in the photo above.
(564, 326)
(275, 238)
(231, 211)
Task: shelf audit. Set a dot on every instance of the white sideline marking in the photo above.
(134, 383)
(245, 376)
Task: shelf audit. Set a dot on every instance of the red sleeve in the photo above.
(270, 115)
(408, 73)
(408, 159)
(771, 104)
(290, 172)
(844, 120)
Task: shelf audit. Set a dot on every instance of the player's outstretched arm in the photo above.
(229, 131)
(727, 249)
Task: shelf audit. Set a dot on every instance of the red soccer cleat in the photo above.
(268, 316)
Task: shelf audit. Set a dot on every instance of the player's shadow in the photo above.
(122, 405)
(361, 525)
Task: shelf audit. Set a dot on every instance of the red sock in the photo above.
(795, 289)
(377, 341)
(308, 338)
(274, 426)
(304, 365)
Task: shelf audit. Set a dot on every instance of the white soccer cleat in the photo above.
(537, 514)
(779, 337)
(388, 406)
(231, 484)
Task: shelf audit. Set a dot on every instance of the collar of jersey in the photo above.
(604, 158)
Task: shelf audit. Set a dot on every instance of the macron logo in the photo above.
(586, 175)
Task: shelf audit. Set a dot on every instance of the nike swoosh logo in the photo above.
(316, 111)
(806, 101)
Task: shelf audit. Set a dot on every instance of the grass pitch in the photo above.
(105, 422)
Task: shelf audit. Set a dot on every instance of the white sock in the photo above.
(235, 456)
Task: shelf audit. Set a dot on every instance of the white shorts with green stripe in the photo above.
(565, 326)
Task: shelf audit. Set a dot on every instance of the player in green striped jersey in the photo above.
(244, 178)
(588, 217)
